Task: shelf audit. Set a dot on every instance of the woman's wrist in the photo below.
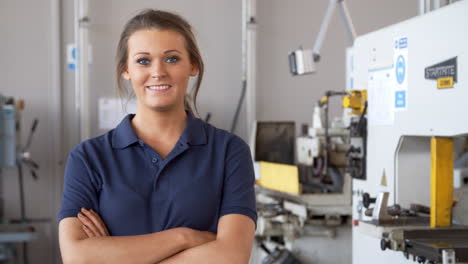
(191, 238)
(184, 235)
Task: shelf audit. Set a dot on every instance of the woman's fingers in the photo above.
(102, 222)
(99, 226)
(88, 226)
(88, 232)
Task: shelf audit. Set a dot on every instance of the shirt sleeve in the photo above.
(238, 189)
(80, 188)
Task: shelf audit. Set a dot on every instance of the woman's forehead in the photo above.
(155, 40)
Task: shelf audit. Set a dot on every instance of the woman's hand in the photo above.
(95, 227)
(197, 238)
(92, 224)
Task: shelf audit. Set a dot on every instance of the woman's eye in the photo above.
(143, 61)
(172, 59)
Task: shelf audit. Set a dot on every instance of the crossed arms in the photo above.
(86, 240)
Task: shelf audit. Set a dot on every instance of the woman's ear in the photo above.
(194, 71)
(125, 75)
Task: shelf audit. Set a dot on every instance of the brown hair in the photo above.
(161, 20)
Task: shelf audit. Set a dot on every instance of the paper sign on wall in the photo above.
(381, 96)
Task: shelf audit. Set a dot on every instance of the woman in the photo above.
(163, 186)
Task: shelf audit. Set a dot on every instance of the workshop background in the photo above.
(34, 35)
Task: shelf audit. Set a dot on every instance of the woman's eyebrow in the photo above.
(167, 51)
(139, 53)
(147, 53)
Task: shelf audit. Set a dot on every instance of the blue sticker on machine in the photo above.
(403, 43)
(400, 69)
(400, 99)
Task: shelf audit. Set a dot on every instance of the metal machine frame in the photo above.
(414, 73)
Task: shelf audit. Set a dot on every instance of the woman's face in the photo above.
(159, 68)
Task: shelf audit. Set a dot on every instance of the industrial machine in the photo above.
(312, 195)
(13, 156)
(402, 139)
(329, 155)
(405, 207)
(320, 200)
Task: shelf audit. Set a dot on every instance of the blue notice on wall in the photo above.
(71, 57)
(400, 99)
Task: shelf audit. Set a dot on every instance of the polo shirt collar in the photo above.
(193, 134)
(124, 135)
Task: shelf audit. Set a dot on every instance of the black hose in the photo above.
(21, 190)
(22, 208)
(239, 104)
(264, 248)
(361, 118)
(33, 129)
(337, 179)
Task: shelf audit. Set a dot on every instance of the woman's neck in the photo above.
(153, 127)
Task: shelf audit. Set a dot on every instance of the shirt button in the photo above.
(155, 160)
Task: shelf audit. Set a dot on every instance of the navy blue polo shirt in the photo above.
(208, 174)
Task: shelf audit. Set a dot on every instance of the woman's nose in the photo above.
(158, 70)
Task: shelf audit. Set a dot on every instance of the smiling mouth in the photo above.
(158, 88)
